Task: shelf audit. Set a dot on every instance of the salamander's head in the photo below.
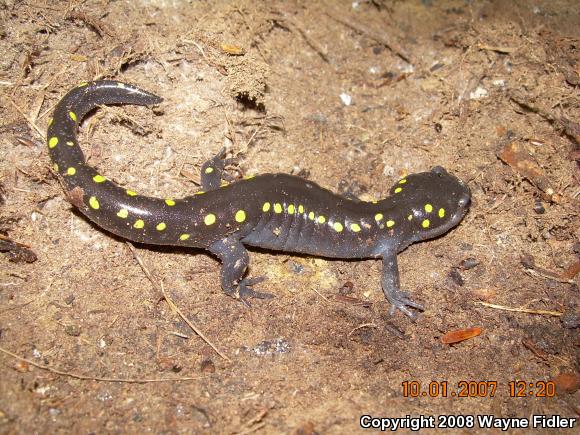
(433, 202)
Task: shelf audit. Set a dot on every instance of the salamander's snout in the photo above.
(464, 201)
(439, 170)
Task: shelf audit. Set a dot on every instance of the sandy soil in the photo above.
(487, 89)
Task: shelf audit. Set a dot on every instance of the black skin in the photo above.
(273, 211)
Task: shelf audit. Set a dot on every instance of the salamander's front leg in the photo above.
(212, 171)
(235, 260)
(391, 287)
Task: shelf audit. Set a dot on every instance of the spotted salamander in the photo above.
(273, 211)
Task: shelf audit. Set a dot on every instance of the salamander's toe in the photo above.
(246, 291)
(401, 301)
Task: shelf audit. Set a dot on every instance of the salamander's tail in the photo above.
(87, 96)
(99, 198)
(62, 140)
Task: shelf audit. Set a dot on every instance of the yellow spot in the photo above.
(170, 202)
(208, 170)
(355, 227)
(99, 178)
(224, 184)
(403, 181)
(52, 142)
(184, 237)
(240, 216)
(209, 219)
(441, 213)
(72, 116)
(55, 167)
(379, 217)
(249, 177)
(321, 219)
(139, 224)
(120, 85)
(94, 202)
(338, 227)
(71, 171)
(390, 224)
(83, 84)
(374, 201)
(311, 215)
(123, 213)
(131, 193)
(300, 209)
(291, 209)
(201, 192)
(50, 120)
(425, 223)
(266, 207)
(70, 143)
(428, 208)
(398, 189)
(410, 217)
(161, 226)
(277, 208)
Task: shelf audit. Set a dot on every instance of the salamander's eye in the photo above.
(464, 201)
(438, 170)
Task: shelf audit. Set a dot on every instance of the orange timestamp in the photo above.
(478, 389)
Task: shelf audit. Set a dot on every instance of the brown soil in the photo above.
(448, 83)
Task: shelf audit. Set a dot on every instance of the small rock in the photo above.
(567, 382)
(72, 330)
(207, 366)
(346, 99)
(469, 263)
(478, 93)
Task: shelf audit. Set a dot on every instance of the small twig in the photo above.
(32, 124)
(520, 310)
(16, 307)
(256, 131)
(464, 99)
(548, 275)
(497, 203)
(364, 325)
(171, 304)
(381, 39)
(321, 295)
(251, 430)
(221, 69)
(498, 49)
(571, 128)
(94, 23)
(200, 48)
(311, 42)
(254, 424)
(95, 378)
(529, 344)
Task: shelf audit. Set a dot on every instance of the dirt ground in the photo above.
(352, 95)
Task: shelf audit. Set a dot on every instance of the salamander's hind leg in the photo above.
(391, 287)
(212, 171)
(235, 260)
